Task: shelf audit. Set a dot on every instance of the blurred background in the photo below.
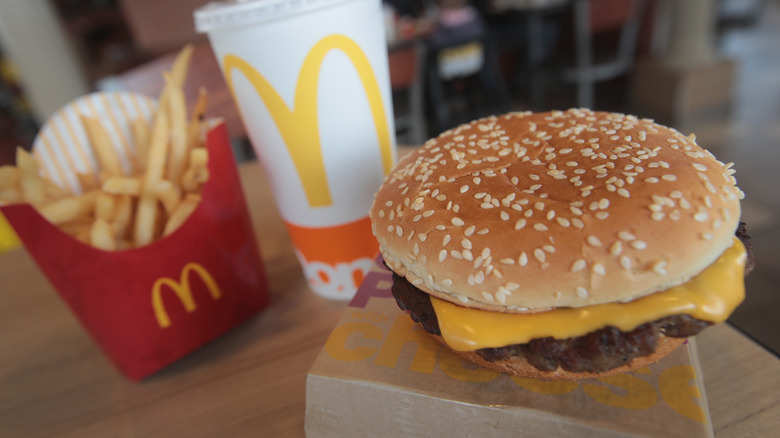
(704, 66)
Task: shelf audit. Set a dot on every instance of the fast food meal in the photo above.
(563, 245)
(115, 210)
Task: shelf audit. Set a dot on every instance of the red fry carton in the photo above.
(148, 307)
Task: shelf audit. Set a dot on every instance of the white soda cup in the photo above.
(311, 80)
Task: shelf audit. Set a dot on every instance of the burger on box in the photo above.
(380, 374)
(149, 306)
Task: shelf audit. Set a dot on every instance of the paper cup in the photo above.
(312, 84)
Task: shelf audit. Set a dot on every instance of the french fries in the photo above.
(118, 211)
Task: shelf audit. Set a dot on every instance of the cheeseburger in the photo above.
(563, 245)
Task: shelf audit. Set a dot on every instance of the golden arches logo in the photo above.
(299, 126)
(183, 291)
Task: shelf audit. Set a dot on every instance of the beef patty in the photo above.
(597, 351)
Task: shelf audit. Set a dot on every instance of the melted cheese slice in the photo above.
(710, 296)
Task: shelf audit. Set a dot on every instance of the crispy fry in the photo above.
(77, 225)
(104, 206)
(11, 195)
(169, 195)
(101, 235)
(123, 215)
(182, 64)
(83, 235)
(88, 181)
(9, 176)
(123, 244)
(158, 151)
(123, 185)
(69, 209)
(146, 212)
(140, 131)
(102, 146)
(145, 219)
(194, 139)
(31, 185)
(53, 191)
(193, 179)
(177, 118)
(182, 212)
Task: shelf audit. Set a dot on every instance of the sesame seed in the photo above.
(625, 262)
(507, 261)
(616, 248)
(599, 269)
(563, 222)
(422, 237)
(674, 215)
(550, 215)
(601, 215)
(657, 216)
(467, 255)
(446, 239)
(428, 213)
(504, 216)
(582, 292)
(707, 236)
(399, 231)
(440, 227)
(701, 216)
(390, 228)
(638, 244)
(520, 224)
(700, 167)
(593, 241)
(487, 297)
(651, 180)
(458, 222)
(669, 177)
(539, 255)
(381, 213)
(480, 277)
(540, 227)
(416, 249)
(466, 243)
(625, 235)
(659, 267)
(523, 259)
(578, 223)
(578, 265)
(624, 193)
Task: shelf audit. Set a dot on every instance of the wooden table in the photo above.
(55, 382)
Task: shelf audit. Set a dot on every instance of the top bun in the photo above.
(526, 212)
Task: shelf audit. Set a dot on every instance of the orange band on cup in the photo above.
(337, 244)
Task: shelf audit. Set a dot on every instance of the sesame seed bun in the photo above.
(527, 212)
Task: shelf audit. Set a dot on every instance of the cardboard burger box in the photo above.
(379, 374)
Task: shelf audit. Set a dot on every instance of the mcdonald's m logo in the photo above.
(183, 292)
(299, 126)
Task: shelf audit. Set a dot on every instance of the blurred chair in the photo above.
(593, 17)
(407, 79)
(462, 63)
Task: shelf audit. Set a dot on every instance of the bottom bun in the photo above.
(518, 366)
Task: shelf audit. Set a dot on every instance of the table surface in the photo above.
(55, 382)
